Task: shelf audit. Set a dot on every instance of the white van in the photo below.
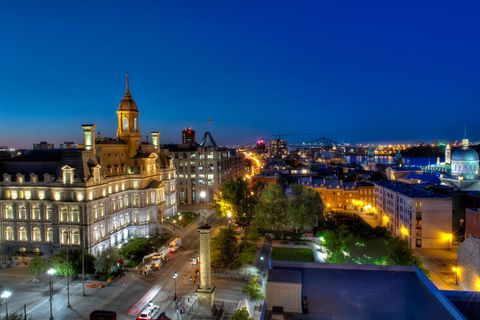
(175, 244)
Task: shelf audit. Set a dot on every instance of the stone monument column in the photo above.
(205, 291)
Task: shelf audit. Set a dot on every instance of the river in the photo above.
(409, 161)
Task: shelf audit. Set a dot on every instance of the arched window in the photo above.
(49, 235)
(36, 213)
(119, 202)
(8, 212)
(36, 234)
(121, 221)
(48, 212)
(22, 212)
(102, 231)
(9, 235)
(75, 237)
(63, 214)
(135, 217)
(135, 124)
(125, 124)
(114, 223)
(95, 212)
(22, 234)
(125, 201)
(95, 233)
(64, 236)
(102, 211)
(136, 201)
(127, 217)
(75, 215)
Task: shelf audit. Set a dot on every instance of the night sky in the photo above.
(352, 71)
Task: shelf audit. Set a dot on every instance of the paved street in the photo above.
(127, 300)
(441, 264)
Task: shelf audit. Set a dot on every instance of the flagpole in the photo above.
(207, 124)
(83, 260)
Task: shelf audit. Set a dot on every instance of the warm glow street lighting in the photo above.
(51, 272)
(449, 238)
(5, 296)
(175, 286)
(456, 274)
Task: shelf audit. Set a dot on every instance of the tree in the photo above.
(248, 253)
(222, 246)
(107, 260)
(305, 208)
(17, 316)
(253, 290)
(37, 265)
(271, 211)
(236, 197)
(59, 262)
(241, 315)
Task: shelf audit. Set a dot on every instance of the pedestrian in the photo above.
(88, 297)
(124, 284)
(133, 275)
(191, 280)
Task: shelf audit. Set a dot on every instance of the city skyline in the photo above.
(379, 72)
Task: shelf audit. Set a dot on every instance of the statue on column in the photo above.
(204, 218)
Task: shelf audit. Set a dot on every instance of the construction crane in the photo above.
(290, 134)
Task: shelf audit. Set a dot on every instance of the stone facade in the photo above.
(112, 189)
(468, 264)
(472, 222)
(202, 169)
(422, 218)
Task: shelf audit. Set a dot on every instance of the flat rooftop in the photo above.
(408, 190)
(367, 292)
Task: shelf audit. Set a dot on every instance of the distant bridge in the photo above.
(321, 142)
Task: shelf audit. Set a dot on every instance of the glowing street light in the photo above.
(455, 270)
(175, 286)
(5, 296)
(51, 272)
(449, 238)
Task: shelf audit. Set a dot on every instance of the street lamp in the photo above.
(449, 237)
(456, 274)
(51, 272)
(5, 296)
(175, 286)
(203, 195)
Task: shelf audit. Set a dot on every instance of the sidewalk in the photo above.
(370, 219)
(441, 264)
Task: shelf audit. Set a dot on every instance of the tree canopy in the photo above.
(59, 262)
(37, 265)
(222, 246)
(235, 196)
(253, 290)
(107, 260)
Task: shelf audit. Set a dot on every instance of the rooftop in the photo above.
(368, 292)
(408, 190)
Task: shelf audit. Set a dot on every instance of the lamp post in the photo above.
(456, 275)
(203, 195)
(51, 272)
(68, 275)
(449, 237)
(175, 288)
(5, 296)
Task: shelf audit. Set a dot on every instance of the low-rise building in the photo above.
(472, 222)
(339, 195)
(422, 218)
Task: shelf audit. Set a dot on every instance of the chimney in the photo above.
(89, 137)
(156, 139)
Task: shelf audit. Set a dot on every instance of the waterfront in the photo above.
(409, 161)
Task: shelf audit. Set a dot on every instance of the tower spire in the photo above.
(128, 89)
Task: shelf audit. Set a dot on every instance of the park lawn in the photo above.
(292, 254)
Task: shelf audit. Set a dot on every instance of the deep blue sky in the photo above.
(348, 70)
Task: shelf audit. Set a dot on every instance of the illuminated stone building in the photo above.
(113, 189)
(203, 167)
(345, 196)
(465, 162)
